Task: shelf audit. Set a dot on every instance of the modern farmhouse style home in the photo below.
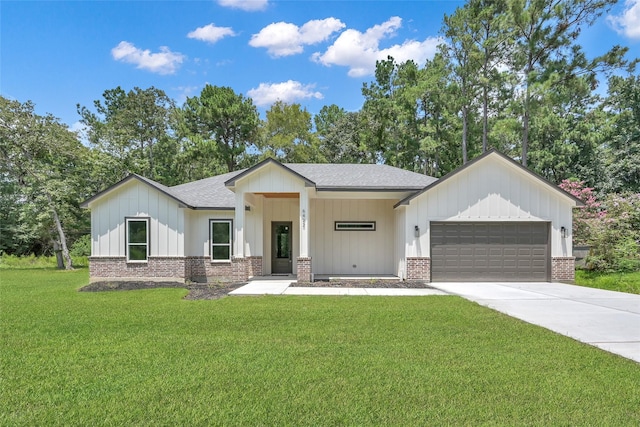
(489, 220)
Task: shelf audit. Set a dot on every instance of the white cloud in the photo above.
(210, 33)
(184, 92)
(284, 39)
(360, 51)
(289, 92)
(248, 5)
(628, 23)
(81, 130)
(163, 62)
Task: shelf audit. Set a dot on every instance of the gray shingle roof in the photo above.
(361, 176)
(208, 192)
(212, 193)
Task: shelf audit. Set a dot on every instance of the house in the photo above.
(491, 219)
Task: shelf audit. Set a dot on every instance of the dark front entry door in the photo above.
(281, 249)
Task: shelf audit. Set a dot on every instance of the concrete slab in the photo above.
(403, 292)
(564, 290)
(630, 305)
(630, 350)
(263, 287)
(316, 291)
(606, 319)
(487, 291)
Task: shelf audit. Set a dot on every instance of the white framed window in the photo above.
(137, 239)
(221, 238)
(355, 226)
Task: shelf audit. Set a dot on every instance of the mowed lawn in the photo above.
(151, 358)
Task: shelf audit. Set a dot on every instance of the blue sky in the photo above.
(61, 53)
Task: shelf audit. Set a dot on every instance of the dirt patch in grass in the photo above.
(209, 291)
(197, 291)
(375, 283)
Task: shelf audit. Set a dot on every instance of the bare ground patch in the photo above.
(197, 291)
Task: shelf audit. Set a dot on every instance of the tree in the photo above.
(546, 33)
(287, 134)
(492, 36)
(623, 110)
(464, 58)
(129, 127)
(222, 123)
(339, 134)
(44, 161)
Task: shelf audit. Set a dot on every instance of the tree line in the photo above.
(510, 74)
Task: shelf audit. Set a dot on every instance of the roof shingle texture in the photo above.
(212, 193)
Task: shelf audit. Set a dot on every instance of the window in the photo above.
(221, 232)
(137, 246)
(355, 226)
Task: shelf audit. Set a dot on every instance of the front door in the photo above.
(281, 248)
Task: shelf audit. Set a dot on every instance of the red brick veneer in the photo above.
(155, 267)
(563, 269)
(304, 269)
(419, 268)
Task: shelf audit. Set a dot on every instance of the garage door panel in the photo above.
(490, 251)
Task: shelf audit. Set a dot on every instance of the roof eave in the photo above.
(408, 199)
(366, 189)
(132, 176)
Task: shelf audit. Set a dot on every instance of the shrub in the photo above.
(615, 236)
(611, 228)
(81, 247)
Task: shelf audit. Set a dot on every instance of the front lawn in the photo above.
(148, 357)
(621, 282)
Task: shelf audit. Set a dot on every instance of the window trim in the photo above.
(354, 226)
(211, 244)
(127, 220)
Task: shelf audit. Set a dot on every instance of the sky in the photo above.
(58, 54)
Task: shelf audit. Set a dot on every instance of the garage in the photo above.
(490, 251)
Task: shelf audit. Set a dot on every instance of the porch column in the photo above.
(304, 224)
(238, 225)
(304, 260)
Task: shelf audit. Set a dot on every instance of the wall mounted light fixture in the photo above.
(417, 231)
(563, 232)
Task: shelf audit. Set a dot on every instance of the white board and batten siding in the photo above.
(352, 252)
(135, 199)
(270, 179)
(255, 225)
(491, 190)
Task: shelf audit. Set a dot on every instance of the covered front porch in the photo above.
(284, 225)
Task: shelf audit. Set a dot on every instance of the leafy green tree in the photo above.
(491, 33)
(464, 57)
(44, 163)
(339, 133)
(287, 134)
(546, 49)
(221, 124)
(381, 114)
(130, 127)
(623, 109)
(437, 119)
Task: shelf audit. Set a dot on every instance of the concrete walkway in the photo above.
(605, 319)
(277, 286)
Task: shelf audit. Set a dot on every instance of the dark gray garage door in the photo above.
(489, 251)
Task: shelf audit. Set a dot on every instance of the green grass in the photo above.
(32, 261)
(150, 358)
(621, 282)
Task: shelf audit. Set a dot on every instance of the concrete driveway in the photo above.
(605, 319)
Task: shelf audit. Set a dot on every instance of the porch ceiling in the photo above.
(280, 195)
